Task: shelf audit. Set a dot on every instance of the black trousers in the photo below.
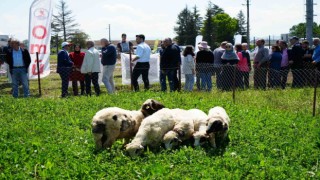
(93, 77)
(75, 87)
(64, 75)
(141, 68)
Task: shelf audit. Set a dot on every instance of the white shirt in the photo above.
(188, 64)
(143, 52)
(91, 61)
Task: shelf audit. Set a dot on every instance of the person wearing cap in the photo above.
(260, 61)
(169, 63)
(204, 64)
(142, 66)
(91, 68)
(19, 61)
(296, 62)
(124, 46)
(64, 68)
(108, 60)
(217, 53)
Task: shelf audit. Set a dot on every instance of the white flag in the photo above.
(39, 37)
(198, 40)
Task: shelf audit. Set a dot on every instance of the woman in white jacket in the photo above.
(188, 67)
(91, 68)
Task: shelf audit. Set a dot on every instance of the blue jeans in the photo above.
(20, 75)
(206, 82)
(171, 78)
(188, 86)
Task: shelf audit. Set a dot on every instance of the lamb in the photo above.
(192, 123)
(218, 124)
(114, 123)
(152, 130)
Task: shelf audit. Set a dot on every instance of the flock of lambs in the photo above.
(154, 124)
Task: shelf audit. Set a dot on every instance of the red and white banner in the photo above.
(39, 37)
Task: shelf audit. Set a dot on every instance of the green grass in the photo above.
(272, 136)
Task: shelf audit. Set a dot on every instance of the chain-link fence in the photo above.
(207, 77)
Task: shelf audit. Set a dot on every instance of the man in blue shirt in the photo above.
(316, 56)
(64, 68)
(142, 67)
(19, 61)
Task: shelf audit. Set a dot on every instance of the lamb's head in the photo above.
(134, 149)
(109, 122)
(151, 106)
(216, 125)
(199, 138)
(172, 138)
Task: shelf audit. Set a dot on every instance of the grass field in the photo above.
(272, 136)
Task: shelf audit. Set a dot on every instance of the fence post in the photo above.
(179, 76)
(130, 59)
(315, 93)
(38, 70)
(234, 84)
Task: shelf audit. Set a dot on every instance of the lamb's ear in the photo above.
(124, 125)
(180, 133)
(156, 105)
(98, 128)
(176, 139)
(115, 117)
(225, 127)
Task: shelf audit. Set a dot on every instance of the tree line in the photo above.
(215, 27)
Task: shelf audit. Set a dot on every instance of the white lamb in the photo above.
(218, 124)
(114, 123)
(190, 123)
(152, 130)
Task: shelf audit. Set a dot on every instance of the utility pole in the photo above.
(309, 20)
(248, 22)
(109, 33)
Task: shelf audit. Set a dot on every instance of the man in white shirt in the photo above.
(91, 68)
(142, 67)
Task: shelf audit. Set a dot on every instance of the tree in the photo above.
(299, 30)
(225, 27)
(208, 28)
(188, 26)
(242, 27)
(63, 22)
(79, 38)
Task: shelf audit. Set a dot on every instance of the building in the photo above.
(4, 40)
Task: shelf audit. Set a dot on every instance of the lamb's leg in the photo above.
(212, 140)
(108, 143)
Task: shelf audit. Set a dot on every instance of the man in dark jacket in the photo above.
(19, 61)
(169, 63)
(64, 68)
(296, 62)
(108, 60)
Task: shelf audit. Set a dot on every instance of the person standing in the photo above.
(108, 60)
(308, 67)
(218, 62)
(124, 46)
(296, 62)
(316, 57)
(284, 63)
(77, 58)
(19, 61)
(260, 65)
(188, 68)
(275, 67)
(243, 67)
(91, 68)
(229, 61)
(142, 66)
(204, 64)
(169, 63)
(64, 68)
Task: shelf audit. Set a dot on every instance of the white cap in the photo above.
(65, 44)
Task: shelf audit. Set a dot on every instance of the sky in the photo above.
(155, 19)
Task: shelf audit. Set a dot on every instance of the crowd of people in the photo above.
(229, 64)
